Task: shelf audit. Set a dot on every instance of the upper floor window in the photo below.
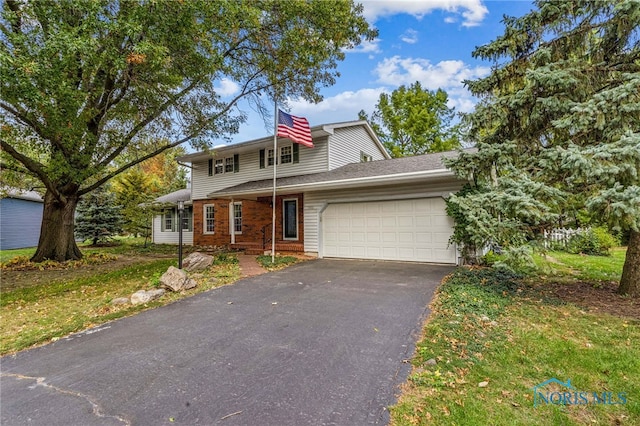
(270, 157)
(219, 167)
(286, 154)
(228, 165)
(224, 165)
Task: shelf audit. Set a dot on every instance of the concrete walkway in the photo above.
(249, 266)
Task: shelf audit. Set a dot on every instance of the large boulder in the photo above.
(197, 262)
(142, 296)
(176, 280)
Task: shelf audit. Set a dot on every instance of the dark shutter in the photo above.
(236, 163)
(262, 158)
(210, 166)
(296, 153)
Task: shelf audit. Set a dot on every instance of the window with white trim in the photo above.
(228, 165)
(187, 219)
(219, 168)
(286, 154)
(167, 220)
(209, 218)
(270, 157)
(237, 218)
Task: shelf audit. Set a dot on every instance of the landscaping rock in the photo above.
(431, 361)
(197, 262)
(176, 280)
(142, 296)
(120, 301)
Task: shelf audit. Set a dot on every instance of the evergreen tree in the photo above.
(414, 121)
(557, 128)
(99, 218)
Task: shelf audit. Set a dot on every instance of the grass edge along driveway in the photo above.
(493, 337)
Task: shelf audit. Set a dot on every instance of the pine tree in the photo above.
(99, 219)
(557, 128)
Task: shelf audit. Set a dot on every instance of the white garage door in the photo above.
(412, 230)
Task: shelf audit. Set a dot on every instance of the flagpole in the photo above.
(275, 163)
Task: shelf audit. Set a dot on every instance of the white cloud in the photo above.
(446, 75)
(367, 46)
(410, 36)
(227, 87)
(341, 107)
(472, 11)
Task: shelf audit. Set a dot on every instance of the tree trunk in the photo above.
(630, 282)
(57, 240)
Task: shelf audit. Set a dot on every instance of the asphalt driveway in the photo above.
(320, 343)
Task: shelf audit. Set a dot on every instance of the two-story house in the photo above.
(343, 198)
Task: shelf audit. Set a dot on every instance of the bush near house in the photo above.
(593, 241)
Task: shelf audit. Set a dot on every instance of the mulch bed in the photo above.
(600, 298)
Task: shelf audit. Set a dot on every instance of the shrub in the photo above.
(594, 241)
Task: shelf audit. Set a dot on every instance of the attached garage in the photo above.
(415, 230)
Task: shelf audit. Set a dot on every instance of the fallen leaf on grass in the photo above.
(483, 384)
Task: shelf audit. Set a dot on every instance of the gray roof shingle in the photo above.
(381, 168)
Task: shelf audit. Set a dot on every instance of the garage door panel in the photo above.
(412, 230)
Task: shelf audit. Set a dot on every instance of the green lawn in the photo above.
(494, 337)
(49, 300)
(592, 268)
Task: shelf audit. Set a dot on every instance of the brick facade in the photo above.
(256, 221)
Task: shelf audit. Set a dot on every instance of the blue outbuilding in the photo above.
(20, 219)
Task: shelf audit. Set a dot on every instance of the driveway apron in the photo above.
(324, 342)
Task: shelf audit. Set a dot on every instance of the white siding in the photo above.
(160, 237)
(315, 202)
(348, 142)
(312, 160)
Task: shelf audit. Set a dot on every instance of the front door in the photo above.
(290, 219)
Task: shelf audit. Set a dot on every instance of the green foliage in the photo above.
(517, 259)
(557, 136)
(490, 258)
(413, 121)
(225, 259)
(99, 218)
(90, 89)
(593, 241)
(279, 261)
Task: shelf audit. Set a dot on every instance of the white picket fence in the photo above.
(560, 236)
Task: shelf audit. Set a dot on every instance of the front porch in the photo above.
(246, 224)
(257, 248)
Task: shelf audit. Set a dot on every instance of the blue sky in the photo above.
(430, 41)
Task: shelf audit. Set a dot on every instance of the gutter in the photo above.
(342, 183)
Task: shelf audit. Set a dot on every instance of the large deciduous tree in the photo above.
(85, 82)
(557, 127)
(413, 121)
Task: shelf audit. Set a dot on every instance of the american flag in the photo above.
(295, 128)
